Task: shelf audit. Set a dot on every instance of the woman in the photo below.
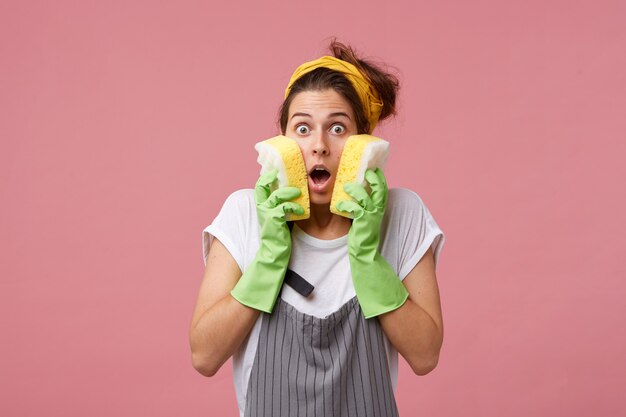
(333, 352)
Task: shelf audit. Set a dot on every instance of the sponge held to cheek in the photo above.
(360, 153)
(284, 154)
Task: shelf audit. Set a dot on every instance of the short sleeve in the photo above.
(415, 228)
(229, 226)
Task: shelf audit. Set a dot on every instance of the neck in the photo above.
(323, 224)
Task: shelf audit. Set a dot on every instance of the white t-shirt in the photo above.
(407, 231)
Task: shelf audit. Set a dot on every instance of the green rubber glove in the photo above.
(378, 288)
(259, 286)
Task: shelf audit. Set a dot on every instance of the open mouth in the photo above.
(319, 176)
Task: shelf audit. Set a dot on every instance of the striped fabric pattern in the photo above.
(320, 367)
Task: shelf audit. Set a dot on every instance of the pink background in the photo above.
(125, 125)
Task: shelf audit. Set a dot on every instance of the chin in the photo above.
(320, 200)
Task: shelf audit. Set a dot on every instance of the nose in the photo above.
(320, 145)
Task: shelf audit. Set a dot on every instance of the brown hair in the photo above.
(320, 79)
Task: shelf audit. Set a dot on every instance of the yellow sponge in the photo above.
(284, 154)
(360, 153)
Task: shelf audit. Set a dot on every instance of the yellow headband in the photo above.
(372, 104)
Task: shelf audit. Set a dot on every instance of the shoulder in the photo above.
(238, 204)
(240, 198)
(243, 194)
(401, 199)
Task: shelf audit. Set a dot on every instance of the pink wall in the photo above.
(124, 125)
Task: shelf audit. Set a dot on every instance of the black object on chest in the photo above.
(295, 281)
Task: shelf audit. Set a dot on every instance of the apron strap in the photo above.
(295, 280)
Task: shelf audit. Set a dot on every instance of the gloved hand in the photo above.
(378, 288)
(260, 284)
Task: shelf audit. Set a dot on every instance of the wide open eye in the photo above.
(302, 129)
(338, 129)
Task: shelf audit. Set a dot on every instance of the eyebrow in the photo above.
(330, 115)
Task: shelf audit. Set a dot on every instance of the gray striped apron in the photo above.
(310, 366)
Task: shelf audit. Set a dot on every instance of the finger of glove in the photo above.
(262, 188)
(291, 207)
(379, 186)
(358, 192)
(350, 207)
(283, 194)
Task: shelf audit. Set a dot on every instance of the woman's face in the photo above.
(320, 122)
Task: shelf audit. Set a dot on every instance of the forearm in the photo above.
(413, 332)
(219, 332)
